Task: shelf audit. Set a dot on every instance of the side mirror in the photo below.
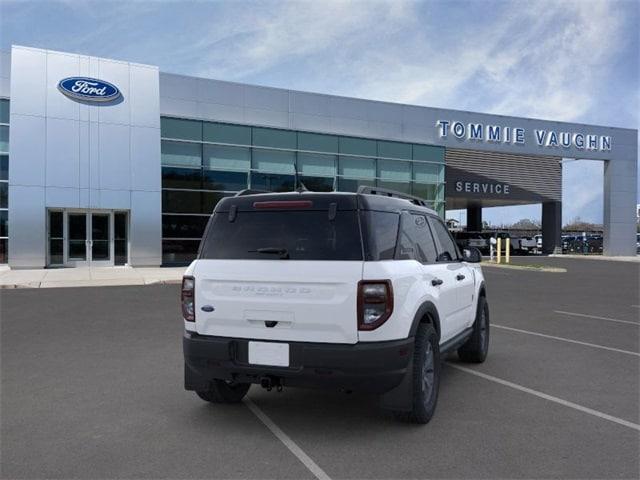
(471, 255)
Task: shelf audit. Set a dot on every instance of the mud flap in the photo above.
(400, 399)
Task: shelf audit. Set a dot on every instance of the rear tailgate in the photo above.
(307, 301)
(281, 267)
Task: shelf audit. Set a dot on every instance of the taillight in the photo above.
(188, 299)
(375, 303)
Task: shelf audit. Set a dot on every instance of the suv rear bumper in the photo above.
(373, 367)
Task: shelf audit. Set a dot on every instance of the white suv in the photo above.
(354, 291)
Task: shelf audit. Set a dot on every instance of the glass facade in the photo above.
(203, 162)
(4, 180)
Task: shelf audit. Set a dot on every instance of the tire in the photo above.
(426, 374)
(223, 392)
(476, 348)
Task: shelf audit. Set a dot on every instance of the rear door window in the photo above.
(415, 242)
(447, 251)
(277, 235)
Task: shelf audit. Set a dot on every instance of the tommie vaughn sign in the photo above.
(478, 132)
(88, 89)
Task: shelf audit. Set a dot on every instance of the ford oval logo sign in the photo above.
(89, 89)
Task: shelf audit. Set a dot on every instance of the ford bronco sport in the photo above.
(354, 291)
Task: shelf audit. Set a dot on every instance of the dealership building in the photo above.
(107, 162)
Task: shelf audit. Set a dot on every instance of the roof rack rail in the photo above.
(249, 191)
(385, 192)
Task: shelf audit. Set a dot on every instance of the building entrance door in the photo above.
(87, 238)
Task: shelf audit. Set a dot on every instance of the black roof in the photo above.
(322, 201)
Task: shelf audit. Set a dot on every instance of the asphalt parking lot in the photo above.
(92, 388)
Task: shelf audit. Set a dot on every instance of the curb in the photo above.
(99, 283)
(525, 267)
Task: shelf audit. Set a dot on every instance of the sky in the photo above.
(558, 60)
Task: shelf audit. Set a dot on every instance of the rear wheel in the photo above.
(221, 391)
(476, 348)
(426, 374)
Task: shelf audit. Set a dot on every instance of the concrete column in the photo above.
(552, 227)
(474, 218)
(620, 198)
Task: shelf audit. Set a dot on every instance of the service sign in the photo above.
(88, 89)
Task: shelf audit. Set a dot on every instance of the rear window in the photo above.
(276, 235)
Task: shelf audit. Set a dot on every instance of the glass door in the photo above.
(77, 240)
(100, 242)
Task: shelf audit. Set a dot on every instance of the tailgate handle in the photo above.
(270, 323)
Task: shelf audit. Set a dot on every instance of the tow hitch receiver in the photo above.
(270, 382)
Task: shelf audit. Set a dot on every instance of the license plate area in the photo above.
(269, 353)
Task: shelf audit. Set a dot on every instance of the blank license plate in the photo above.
(269, 353)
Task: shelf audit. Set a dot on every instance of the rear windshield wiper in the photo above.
(283, 252)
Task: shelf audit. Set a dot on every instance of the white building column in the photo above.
(620, 199)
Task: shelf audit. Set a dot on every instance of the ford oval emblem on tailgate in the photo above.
(207, 308)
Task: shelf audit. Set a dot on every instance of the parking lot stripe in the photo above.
(596, 317)
(551, 398)
(563, 339)
(288, 442)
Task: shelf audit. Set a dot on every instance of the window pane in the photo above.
(183, 226)
(174, 201)
(183, 129)
(397, 186)
(227, 158)
(274, 161)
(305, 235)
(179, 153)
(428, 153)
(416, 242)
(316, 164)
(4, 223)
(229, 181)
(426, 191)
(272, 182)
(448, 250)
(4, 256)
(358, 146)
(428, 172)
(4, 111)
(179, 251)
(394, 150)
(182, 178)
(382, 232)
(4, 139)
(396, 171)
(120, 252)
(120, 226)
(4, 194)
(211, 199)
(357, 167)
(271, 137)
(317, 143)
(55, 225)
(56, 252)
(317, 184)
(4, 167)
(350, 185)
(224, 133)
